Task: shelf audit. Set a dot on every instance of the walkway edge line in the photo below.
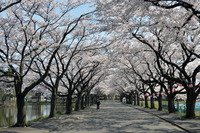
(174, 124)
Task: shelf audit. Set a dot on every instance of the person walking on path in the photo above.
(98, 103)
(124, 100)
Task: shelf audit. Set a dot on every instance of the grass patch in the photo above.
(59, 113)
(37, 119)
(43, 117)
(37, 103)
(165, 103)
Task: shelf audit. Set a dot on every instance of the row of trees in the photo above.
(142, 43)
(158, 46)
(42, 46)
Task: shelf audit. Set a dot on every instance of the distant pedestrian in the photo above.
(124, 100)
(98, 103)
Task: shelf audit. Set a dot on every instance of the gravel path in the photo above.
(112, 117)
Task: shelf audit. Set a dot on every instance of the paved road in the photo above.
(114, 117)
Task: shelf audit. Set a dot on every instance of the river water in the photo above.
(8, 115)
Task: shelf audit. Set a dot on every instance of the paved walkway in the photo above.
(113, 117)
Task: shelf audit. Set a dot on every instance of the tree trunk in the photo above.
(82, 102)
(69, 104)
(92, 99)
(130, 98)
(21, 114)
(160, 103)
(138, 100)
(53, 105)
(127, 99)
(152, 103)
(146, 102)
(190, 104)
(134, 98)
(142, 102)
(86, 100)
(121, 98)
(171, 108)
(77, 106)
(177, 105)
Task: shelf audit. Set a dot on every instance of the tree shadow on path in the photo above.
(117, 118)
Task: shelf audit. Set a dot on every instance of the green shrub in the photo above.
(59, 113)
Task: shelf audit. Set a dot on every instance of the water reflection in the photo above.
(8, 115)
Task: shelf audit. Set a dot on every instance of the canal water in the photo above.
(8, 115)
(182, 108)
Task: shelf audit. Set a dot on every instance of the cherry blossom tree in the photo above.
(62, 61)
(70, 82)
(161, 29)
(192, 6)
(79, 78)
(4, 5)
(33, 32)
